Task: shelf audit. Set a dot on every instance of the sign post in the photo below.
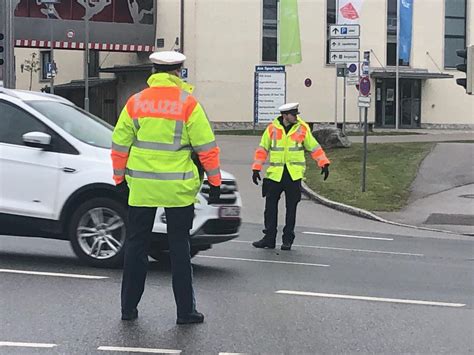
(344, 49)
(364, 101)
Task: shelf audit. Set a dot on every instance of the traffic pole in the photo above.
(9, 79)
(364, 162)
(51, 48)
(344, 107)
(86, 65)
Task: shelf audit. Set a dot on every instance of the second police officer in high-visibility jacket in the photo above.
(285, 141)
(155, 135)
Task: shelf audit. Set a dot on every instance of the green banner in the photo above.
(289, 33)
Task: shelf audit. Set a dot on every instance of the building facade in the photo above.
(225, 40)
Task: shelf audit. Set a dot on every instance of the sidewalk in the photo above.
(442, 195)
(424, 136)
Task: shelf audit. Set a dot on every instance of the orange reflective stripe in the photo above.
(274, 133)
(317, 153)
(215, 180)
(210, 162)
(320, 157)
(261, 154)
(118, 179)
(260, 157)
(161, 102)
(119, 163)
(299, 135)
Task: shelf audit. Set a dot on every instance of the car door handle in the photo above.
(69, 170)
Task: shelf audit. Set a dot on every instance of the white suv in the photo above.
(56, 182)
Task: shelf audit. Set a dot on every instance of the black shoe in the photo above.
(286, 246)
(130, 315)
(194, 317)
(264, 243)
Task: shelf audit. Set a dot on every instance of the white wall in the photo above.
(68, 62)
(223, 43)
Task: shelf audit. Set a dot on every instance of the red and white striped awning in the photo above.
(80, 45)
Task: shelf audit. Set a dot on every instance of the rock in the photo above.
(331, 137)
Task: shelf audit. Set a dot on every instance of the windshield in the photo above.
(80, 124)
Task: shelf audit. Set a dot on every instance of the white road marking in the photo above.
(259, 261)
(26, 345)
(139, 350)
(232, 353)
(77, 276)
(342, 249)
(375, 299)
(347, 236)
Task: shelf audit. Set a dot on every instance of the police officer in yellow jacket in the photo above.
(285, 140)
(156, 133)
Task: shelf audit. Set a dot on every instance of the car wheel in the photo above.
(97, 232)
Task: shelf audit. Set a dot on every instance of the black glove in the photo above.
(256, 176)
(325, 171)
(123, 189)
(214, 194)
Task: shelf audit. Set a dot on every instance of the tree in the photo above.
(31, 65)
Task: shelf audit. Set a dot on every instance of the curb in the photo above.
(363, 213)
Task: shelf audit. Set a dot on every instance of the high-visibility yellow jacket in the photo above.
(152, 143)
(287, 149)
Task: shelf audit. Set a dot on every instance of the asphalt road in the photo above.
(349, 285)
(250, 298)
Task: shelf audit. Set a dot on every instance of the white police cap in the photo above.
(292, 106)
(167, 58)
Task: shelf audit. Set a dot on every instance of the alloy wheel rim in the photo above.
(101, 233)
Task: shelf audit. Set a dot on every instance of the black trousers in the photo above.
(137, 245)
(272, 191)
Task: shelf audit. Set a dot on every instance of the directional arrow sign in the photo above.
(345, 44)
(343, 57)
(345, 31)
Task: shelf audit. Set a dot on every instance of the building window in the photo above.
(392, 32)
(330, 20)
(392, 24)
(454, 30)
(270, 26)
(45, 58)
(94, 63)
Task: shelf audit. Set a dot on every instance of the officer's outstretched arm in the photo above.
(122, 139)
(204, 144)
(261, 153)
(317, 153)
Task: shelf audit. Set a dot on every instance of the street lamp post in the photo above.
(50, 4)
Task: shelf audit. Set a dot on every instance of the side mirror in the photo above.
(37, 139)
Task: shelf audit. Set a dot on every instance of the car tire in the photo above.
(97, 230)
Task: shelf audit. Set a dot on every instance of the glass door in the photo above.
(410, 103)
